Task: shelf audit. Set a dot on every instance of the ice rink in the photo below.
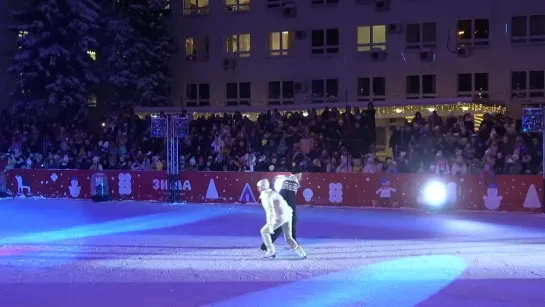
(77, 253)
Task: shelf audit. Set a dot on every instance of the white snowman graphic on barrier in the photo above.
(492, 200)
(74, 187)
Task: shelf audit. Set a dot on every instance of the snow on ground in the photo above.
(78, 253)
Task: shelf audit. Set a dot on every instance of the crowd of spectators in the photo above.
(330, 141)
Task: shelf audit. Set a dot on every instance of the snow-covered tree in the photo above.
(137, 52)
(55, 60)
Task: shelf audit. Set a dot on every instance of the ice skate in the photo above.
(299, 250)
(270, 254)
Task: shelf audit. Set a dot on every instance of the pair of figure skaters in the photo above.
(281, 214)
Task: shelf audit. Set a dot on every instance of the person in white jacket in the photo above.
(279, 214)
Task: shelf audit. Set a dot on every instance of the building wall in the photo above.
(499, 58)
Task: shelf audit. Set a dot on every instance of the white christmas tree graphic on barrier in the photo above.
(212, 192)
(532, 199)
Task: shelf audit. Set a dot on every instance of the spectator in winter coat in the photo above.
(459, 167)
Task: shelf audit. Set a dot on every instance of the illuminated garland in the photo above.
(390, 111)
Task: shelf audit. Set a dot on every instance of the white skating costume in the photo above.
(279, 214)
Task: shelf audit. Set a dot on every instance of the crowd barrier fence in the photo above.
(519, 193)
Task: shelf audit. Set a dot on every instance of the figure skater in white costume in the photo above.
(279, 214)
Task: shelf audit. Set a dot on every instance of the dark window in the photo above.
(481, 82)
(204, 91)
(428, 85)
(332, 88)
(371, 88)
(318, 90)
(537, 25)
(379, 86)
(245, 90)
(364, 87)
(197, 94)
(413, 33)
(325, 90)
(275, 90)
(519, 84)
(325, 41)
(413, 86)
(232, 91)
(276, 3)
(421, 35)
(519, 26)
(528, 29)
(518, 81)
(325, 1)
(537, 83)
(281, 92)
(288, 89)
(332, 37)
(465, 83)
(318, 39)
(191, 92)
(429, 32)
(482, 26)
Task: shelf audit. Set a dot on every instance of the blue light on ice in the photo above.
(402, 282)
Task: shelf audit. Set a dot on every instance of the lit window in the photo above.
(195, 7)
(280, 42)
(92, 54)
(196, 48)
(92, 101)
(472, 32)
(238, 45)
(237, 5)
(371, 37)
(23, 33)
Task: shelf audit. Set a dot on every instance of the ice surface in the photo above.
(78, 253)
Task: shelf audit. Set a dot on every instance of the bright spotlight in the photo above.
(435, 193)
(278, 181)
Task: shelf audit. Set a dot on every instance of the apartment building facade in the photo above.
(248, 53)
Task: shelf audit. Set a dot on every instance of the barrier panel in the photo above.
(507, 193)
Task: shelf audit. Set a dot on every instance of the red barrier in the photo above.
(507, 193)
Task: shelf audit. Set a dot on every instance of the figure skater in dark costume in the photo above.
(289, 193)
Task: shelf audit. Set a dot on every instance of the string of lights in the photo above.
(396, 111)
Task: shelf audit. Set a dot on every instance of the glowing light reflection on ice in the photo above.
(401, 282)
